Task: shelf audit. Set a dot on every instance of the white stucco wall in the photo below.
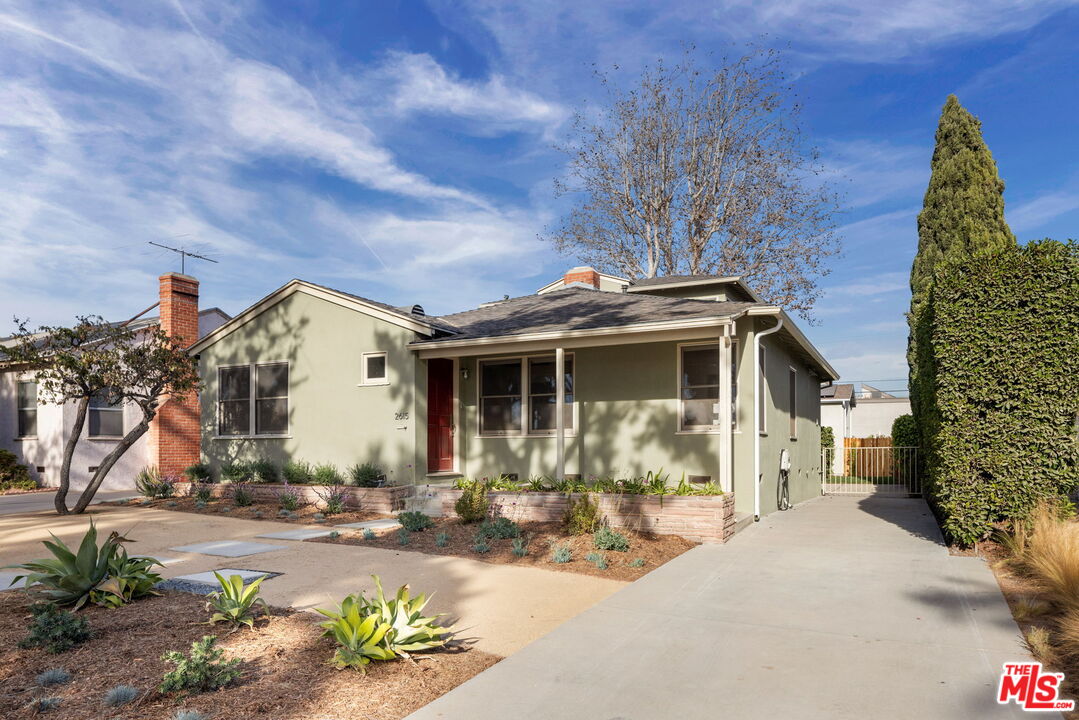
(875, 417)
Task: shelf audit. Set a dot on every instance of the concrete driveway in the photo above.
(840, 608)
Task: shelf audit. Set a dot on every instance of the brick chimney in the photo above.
(174, 433)
(585, 275)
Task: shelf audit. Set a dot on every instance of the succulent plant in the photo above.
(442, 539)
(368, 534)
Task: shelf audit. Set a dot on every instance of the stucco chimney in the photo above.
(174, 433)
(585, 275)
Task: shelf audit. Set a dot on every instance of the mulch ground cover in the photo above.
(543, 538)
(259, 511)
(285, 674)
(1019, 589)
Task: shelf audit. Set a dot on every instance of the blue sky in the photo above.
(403, 151)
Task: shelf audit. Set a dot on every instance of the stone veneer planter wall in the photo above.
(379, 500)
(702, 518)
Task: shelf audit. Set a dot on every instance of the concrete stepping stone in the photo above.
(386, 524)
(7, 581)
(209, 579)
(228, 548)
(300, 534)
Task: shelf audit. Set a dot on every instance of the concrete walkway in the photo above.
(843, 607)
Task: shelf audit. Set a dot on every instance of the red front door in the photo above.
(439, 415)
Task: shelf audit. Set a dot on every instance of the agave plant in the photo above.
(409, 629)
(129, 578)
(360, 637)
(234, 603)
(69, 578)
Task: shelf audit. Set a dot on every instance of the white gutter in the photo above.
(757, 400)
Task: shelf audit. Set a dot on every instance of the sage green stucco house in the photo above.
(317, 374)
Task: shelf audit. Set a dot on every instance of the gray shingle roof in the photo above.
(837, 392)
(434, 322)
(573, 308)
(669, 279)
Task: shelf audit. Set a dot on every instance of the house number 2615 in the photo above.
(400, 416)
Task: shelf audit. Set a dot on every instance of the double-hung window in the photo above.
(27, 408)
(792, 398)
(500, 397)
(253, 399)
(518, 396)
(542, 395)
(106, 416)
(698, 390)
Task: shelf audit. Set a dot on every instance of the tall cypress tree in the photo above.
(962, 215)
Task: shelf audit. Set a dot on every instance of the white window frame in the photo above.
(20, 409)
(694, 429)
(251, 398)
(792, 395)
(369, 382)
(526, 411)
(90, 410)
(762, 388)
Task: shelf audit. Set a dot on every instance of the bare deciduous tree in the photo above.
(689, 172)
(98, 359)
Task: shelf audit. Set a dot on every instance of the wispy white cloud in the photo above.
(420, 84)
(866, 285)
(167, 144)
(876, 171)
(1033, 214)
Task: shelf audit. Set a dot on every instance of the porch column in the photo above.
(559, 409)
(725, 409)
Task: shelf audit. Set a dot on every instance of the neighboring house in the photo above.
(866, 413)
(321, 375)
(36, 431)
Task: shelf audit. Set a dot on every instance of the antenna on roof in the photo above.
(184, 254)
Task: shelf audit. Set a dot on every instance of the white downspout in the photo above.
(757, 400)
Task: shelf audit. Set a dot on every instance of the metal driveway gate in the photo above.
(871, 471)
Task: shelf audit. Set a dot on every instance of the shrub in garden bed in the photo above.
(13, 474)
(202, 670)
(265, 471)
(582, 516)
(289, 499)
(237, 472)
(415, 521)
(365, 475)
(55, 631)
(333, 499)
(199, 473)
(152, 484)
(499, 528)
(298, 472)
(472, 505)
(607, 539)
(242, 496)
(327, 474)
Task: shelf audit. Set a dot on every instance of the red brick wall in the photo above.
(588, 276)
(174, 433)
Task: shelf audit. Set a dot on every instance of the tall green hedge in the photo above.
(1003, 384)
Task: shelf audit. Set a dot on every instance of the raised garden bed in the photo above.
(285, 671)
(701, 518)
(261, 510)
(378, 500)
(543, 537)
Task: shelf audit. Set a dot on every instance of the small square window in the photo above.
(373, 369)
